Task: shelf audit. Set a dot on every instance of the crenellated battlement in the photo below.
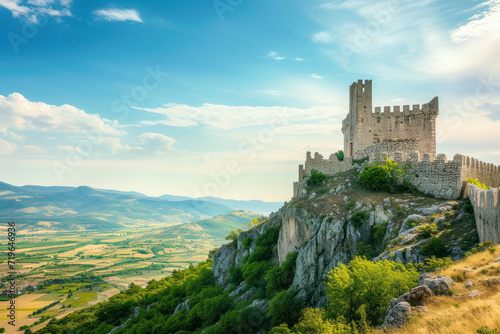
(486, 205)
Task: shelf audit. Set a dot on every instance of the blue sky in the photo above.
(224, 97)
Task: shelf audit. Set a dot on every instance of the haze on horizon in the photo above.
(213, 99)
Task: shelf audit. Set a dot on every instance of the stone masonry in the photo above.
(363, 126)
(487, 212)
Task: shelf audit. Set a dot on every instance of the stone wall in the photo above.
(328, 166)
(299, 189)
(487, 212)
(405, 146)
(485, 172)
(440, 178)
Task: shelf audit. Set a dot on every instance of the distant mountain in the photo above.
(257, 206)
(85, 208)
(216, 227)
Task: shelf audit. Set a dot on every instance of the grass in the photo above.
(460, 314)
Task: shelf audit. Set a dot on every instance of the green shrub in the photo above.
(247, 242)
(316, 178)
(232, 236)
(340, 155)
(375, 178)
(358, 218)
(351, 204)
(427, 231)
(435, 247)
(487, 330)
(284, 308)
(235, 275)
(433, 263)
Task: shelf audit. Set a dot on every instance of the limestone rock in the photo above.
(182, 306)
(397, 313)
(416, 296)
(490, 281)
(469, 284)
(496, 260)
(475, 294)
(223, 259)
(439, 283)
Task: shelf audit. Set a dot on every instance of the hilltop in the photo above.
(272, 273)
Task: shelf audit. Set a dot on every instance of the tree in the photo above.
(232, 236)
(365, 283)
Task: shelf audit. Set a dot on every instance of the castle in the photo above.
(409, 137)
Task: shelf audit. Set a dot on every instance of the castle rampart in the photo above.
(487, 212)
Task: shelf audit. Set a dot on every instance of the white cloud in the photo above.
(6, 147)
(115, 145)
(322, 37)
(34, 10)
(156, 143)
(17, 112)
(14, 7)
(485, 23)
(16, 136)
(232, 117)
(68, 148)
(115, 14)
(299, 59)
(274, 55)
(34, 149)
(317, 76)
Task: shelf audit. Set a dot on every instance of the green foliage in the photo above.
(247, 242)
(279, 278)
(235, 275)
(253, 273)
(284, 308)
(412, 223)
(477, 183)
(359, 218)
(435, 247)
(364, 282)
(427, 231)
(487, 330)
(233, 235)
(386, 176)
(375, 178)
(433, 263)
(316, 178)
(265, 244)
(340, 155)
(351, 204)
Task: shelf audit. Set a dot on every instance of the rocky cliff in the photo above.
(335, 223)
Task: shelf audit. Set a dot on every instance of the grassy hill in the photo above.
(85, 208)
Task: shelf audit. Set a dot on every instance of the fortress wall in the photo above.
(487, 212)
(440, 178)
(297, 189)
(328, 166)
(485, 172)
(406, 147)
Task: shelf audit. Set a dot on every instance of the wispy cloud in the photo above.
(6, 147)
(157, 143)
(479, 25)
(274, 55)
(233, 117)
(317, 76)
(33, 10)
(34, 149)
(116, 14)
(299, 59)
(322, 37)
(14, 7)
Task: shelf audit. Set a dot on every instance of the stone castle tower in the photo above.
(364, 127)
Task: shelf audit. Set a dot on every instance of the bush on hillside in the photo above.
(358, 218)
(366, 286)
(435, 247)
(316, 178)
